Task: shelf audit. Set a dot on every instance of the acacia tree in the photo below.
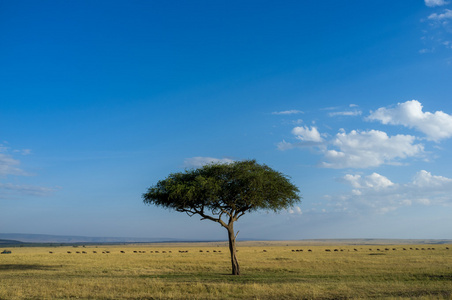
(223, 193)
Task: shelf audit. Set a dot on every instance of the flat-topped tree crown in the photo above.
(224, 192)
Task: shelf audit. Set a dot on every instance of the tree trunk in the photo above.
(233, 250)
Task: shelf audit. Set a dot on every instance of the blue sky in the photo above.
(351, 99)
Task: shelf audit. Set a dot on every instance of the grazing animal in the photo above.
(123, 251)
(327, 250)
(50, 252)
(69, 252)
(309, 250)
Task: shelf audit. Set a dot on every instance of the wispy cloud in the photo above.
(282, 146)
(433, 3)
(9, 189)
(9, 165)
(196, 162)
(447, 14)
(438, 33)
(352, 113)
(436, 126)
(287, 112)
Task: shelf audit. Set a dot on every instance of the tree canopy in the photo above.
(224, 192)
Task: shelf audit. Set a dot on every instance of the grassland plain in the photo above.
(271, 270)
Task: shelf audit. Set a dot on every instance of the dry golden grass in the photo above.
(270, 271)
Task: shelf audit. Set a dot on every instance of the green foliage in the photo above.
(231, 189)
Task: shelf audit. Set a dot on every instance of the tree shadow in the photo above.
(26, 267)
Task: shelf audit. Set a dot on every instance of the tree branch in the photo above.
(241, 214)
(207, 217)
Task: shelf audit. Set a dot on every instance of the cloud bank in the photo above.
(373, 148)
(363, 149)
(376, 193)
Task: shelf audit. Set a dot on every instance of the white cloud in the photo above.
(435, 126)
(374, 181)
(441, 17)
(375, 193)
(424, 179)
(369, 149)
(196, 162)
(433, 3)
(307, 135)
(287, 112)
(295, 210)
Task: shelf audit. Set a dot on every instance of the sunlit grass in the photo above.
(270, 271)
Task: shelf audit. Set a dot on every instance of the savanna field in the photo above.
(271, 270)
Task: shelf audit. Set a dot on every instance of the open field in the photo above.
(271, 270)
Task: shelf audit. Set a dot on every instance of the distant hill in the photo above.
(9, 242)
(20, 238)
(66, 239)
